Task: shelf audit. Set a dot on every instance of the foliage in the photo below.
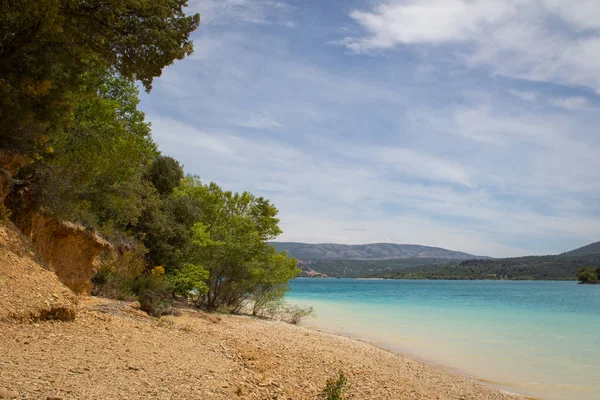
(295, 314)
(559, 267)
(231, 242)
(95, 173)
(113, 285)
(158, 272)
(165, 228)
(46, 46)
(116, 275)
(335, 388)
(69, 106)
(166, 174)
(588, 275)
(5, 213)
(364, 268)
(153, 293)
(189, 282)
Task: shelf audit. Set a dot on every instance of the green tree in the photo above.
(46, 46)
(190, 281)
(588, 275)
(96, 171)
(231, 242)
(166, 174)
(165, 229)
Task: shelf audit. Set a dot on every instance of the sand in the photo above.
(113, 351)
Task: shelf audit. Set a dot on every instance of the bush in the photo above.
(116, 275)
(154, 294)
(295, 314)
(110, 284)
(189, 282)
(5, 213)
(335, 388)
(269, 309)
(588, 275)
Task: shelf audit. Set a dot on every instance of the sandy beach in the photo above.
(113, 351)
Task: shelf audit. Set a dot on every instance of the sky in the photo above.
(471, 125)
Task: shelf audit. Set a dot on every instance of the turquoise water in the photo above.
(539, 339)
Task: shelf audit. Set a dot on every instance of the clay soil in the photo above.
(113, 351)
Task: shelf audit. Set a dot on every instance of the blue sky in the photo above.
(466, 124)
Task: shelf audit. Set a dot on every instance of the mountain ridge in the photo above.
(369, 251)
(590, 249)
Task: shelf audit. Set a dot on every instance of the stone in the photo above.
(134, 304)
(8, 394)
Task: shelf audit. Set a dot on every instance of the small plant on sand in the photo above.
(295, 314)
(335, 388)
(5, 213)
(165, 323)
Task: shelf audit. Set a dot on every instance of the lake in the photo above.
(535, 338)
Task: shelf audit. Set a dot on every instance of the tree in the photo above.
(189, 281)
(588, 275)
(95, 173)
(232, 242)
(46, 46)
(166, 174)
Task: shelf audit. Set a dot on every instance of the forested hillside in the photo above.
(593, 248)
(518, 268)
(363, 268)
(373, 251)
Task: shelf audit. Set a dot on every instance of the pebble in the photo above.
(8, 394)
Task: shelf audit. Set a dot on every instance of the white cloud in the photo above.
(419, 164)
(514, 37)
(524, 95)
(325, 197)
(354, 149)
(570, 103)
(261, 121)
(247, 11)
(426, 21)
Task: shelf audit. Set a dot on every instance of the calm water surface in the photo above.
(536, 338)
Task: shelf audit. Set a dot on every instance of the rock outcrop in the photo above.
(28, 291)
(70, 250)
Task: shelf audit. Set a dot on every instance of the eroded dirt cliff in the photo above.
(27, 289)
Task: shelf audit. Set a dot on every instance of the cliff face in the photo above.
(28, 290)
(68, 249)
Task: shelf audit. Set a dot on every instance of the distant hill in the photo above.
(590, 249)
(363, 268)
(374, 251)
(559, 267)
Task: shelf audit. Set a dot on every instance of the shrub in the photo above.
(110, 284)
(335, 388)
(267, 299)
(189, 281)
(588, 275)
(270, 309)
(295, 314)
(116, 275)
(5, 213)
(154, 294)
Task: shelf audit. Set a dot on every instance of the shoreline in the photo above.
(113, 351)
(428, 362)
